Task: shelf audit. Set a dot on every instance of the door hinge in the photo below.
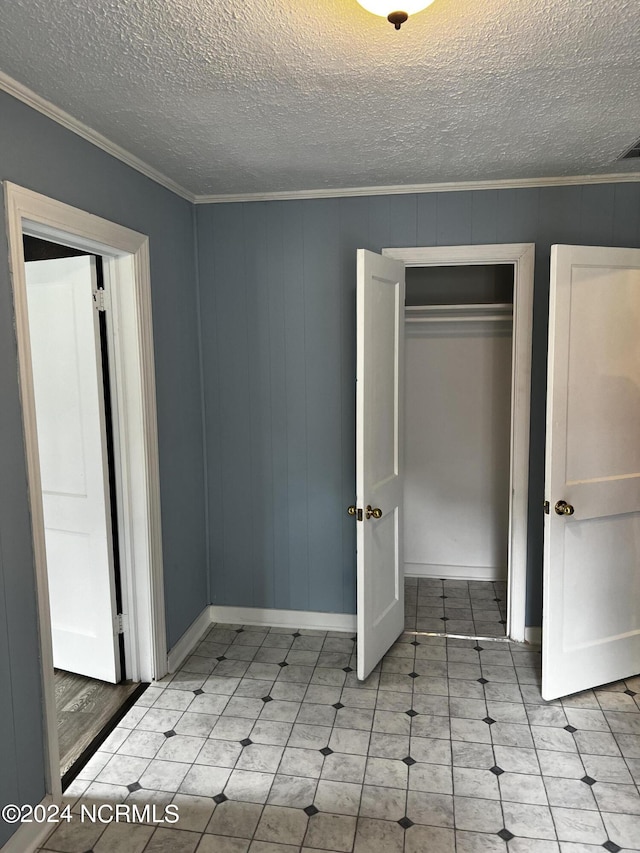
(546, 507)
(121, 623)
(99, 299)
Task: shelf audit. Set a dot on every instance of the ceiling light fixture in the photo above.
(389, 9)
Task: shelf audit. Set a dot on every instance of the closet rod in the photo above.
(481, 318)
(469, 313)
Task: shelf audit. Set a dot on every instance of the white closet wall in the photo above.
(457, 432)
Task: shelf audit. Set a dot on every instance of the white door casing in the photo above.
(379, 408)
(69, 400)
(591, 584)
(125, 255)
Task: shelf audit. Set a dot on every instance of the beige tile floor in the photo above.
(267, 743)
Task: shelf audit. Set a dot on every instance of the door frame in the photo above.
(521, 257)
(125, 256)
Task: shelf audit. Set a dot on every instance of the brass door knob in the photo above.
(351, 510)
(563, 508)
(372, 513)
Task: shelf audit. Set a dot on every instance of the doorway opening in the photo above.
(73, 398)
(467, 330)
(458, 342)
(135, 635)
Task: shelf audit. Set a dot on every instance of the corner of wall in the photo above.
(196, 266)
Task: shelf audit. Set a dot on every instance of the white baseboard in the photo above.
(311, 620)
(189, 640)
(29, 837)
(459, 573)
(533, 635)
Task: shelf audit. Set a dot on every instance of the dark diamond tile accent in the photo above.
(588, 780)
(630, 692)
(222, 657)
(414, 675)
(347, 669)
(571, 729)
(444, 618)
(478, 648)
(297, 634)
(611, 846)
(311, 810)
(444, 596)
(405, 822)
(220, 798)
(239, 630)
(266, 699)
(337, 706)
(497, 771)
(170, 733)
(246, 742)
(326, 750)
(497, 599)
(489, 721)
(411, 713)
(506, 835)
(502, 622)
(483, 681)
(283, 663)
(415, 643)
(134, 786)
(409, 761)
(198, 692)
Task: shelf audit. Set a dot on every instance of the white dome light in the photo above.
(395, 12)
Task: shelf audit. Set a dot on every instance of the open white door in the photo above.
(68, 390)
(379, 391)
(591, 607)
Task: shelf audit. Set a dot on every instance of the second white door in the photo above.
(591, 606)
(68, 389)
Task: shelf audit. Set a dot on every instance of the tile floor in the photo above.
(267, 743)
(476, 608)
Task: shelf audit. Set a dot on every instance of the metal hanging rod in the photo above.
(471, 313)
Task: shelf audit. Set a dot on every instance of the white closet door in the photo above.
(379, 408)
(591, 606)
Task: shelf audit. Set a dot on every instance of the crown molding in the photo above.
(36, 102)
(31, 99)
(405, 189)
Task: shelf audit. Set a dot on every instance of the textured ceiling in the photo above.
(281, 95)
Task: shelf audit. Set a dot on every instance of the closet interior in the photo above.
(458, 376)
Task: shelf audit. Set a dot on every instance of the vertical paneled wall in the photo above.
(278, 324)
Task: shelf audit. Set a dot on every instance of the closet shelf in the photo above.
(475, 312)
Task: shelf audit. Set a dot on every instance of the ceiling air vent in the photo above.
(634, 151)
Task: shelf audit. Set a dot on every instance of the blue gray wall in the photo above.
(277, 284)
(39, 154)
